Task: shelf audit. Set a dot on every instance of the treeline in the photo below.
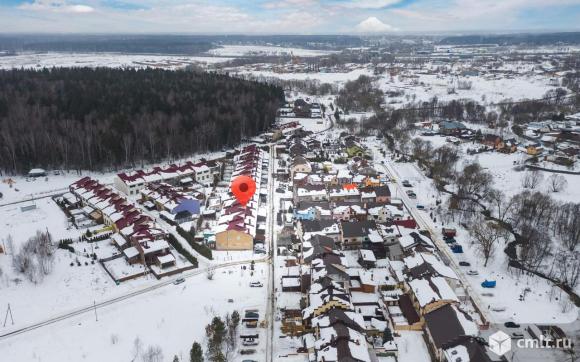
(107, 118)
(135, 44)
(514, 39)
(360, 95)
(542, 225)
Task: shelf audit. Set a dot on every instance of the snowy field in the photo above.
(112, 60)
(172, 318)
(322, 77)
(246, 50)
(24, 188)
(427, 86)
(508, 180)
(66, 287)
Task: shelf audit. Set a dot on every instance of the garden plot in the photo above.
(75, 279)
(180, 311)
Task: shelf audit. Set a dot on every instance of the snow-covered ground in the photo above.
(245, 50)
(172, 318)
(25, 188)
(112, 60)
(322, 77)
(412, 347)
(542, 304)
(66, 287)
(426, 86)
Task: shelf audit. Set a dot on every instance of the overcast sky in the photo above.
(287, 16)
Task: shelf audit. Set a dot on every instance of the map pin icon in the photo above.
(243, 188)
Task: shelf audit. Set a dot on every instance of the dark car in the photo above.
(511, 325)
(464, 263)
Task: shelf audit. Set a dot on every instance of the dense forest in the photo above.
(135, 44)
(164, 44)
(107, 118)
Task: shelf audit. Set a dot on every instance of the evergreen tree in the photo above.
(235, 319)
(196, 353)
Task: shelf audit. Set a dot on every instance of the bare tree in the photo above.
(557, 183)
(536, 246)
(486, 235)
(532, 179)
(568, 268)
(137, 346)
(153, 354)
(567, 225)
(501, 204)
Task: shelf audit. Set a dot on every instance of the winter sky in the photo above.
(287, 16)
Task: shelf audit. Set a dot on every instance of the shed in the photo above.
(37, 172)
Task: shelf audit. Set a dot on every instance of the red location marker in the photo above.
(243, 188)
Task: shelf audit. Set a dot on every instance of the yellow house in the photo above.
(233, 239)
(533, 150)
(372, 182)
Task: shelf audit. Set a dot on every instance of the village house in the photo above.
(451, 128)
(445, 325)
(353, 234)
(300, 164)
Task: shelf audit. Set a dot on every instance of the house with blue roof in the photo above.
(451, 128)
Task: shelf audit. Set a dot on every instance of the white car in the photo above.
(256, 284)
(472, 272)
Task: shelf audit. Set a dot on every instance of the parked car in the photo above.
(256, 284)
(464, 263)
(420, 207)
(511, 325)
(472, 272)
(406, 183)
(411, 194)
(488, 284)
(487, 295)
(178, 281)
(517, 335)
(457, 249)
(498, 308)
(250, 342)
(247, 351)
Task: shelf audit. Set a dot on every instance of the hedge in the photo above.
(66, 245)
(200, 248)
(175, 243)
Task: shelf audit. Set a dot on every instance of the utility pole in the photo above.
(8, 311)
(96, 316)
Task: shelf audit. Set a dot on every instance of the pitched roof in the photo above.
(443, 325)
(357, 228)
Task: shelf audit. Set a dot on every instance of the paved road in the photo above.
(271, 309)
